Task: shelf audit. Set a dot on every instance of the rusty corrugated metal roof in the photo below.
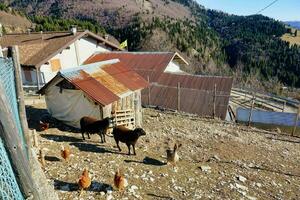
(91, 87)
(147, 64)
(104, 83)
(122, 73)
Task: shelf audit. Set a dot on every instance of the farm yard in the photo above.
(218, 160)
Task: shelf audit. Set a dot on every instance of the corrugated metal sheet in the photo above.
(265, 117)
(122, 74)
(104, 83)
(223, 84)
(196, 94)
(91, 87)
(145, 63)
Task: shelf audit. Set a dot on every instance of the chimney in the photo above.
(73, 30)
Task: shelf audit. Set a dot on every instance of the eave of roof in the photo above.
(33, 60)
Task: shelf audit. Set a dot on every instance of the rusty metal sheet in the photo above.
(110, 82)
(196, 94)
(126, 76)
(94, 89)
(150, 64)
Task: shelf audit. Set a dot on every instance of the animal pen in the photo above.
(16, 178)
(202, 95)
(97, 90)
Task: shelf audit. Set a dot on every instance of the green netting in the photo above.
(9, 189)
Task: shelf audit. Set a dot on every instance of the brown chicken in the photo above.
(84, 181)
(43, 126)
(172, 155)
(65, 153)
(119, 181)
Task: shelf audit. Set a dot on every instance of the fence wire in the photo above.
(9, 189)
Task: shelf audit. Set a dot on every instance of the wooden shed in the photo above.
(97, 90)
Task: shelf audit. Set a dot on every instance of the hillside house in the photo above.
(98, 90)
(171, 87)
(42, 55)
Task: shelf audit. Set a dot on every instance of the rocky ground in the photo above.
(218, 160)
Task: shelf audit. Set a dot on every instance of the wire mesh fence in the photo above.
(9, 188)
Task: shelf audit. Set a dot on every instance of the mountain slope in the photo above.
(250, 48)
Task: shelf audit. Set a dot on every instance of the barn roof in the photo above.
(147, 64)
(37, 48)
(103, 82)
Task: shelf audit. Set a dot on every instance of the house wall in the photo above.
(69, 58)
(173, 67)
(69, 106)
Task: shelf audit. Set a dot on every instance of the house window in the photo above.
(55, 65)
(27, 74)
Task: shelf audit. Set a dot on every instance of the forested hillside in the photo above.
(213, 42)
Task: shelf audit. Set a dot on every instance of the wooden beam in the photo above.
(296, 121)
(20, 97)
(251, 110)
(178, 96)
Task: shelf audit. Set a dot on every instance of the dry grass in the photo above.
(291, 38)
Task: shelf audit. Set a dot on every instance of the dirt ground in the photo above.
(218, 160)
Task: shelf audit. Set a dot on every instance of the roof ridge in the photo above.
(137, 52)
(47, 32)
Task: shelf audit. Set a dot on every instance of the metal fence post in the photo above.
(251, 110)
(149, 92)
(296, 121)
(214, 100)
(178, 96)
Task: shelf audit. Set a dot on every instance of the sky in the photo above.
(284, 10)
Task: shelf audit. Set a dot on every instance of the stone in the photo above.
(205, 168)
(102, 193)
(241, 178)
(241, 187)
(258, 185)
(109, 197)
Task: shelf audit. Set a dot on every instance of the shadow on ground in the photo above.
(92, 148)
(35, 115)
(61, 138)
(147, 161)
(70, 187)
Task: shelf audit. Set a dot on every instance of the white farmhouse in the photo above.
(42, 55)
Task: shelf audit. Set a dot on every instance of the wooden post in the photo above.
(214, 100)
(149, 92)
(20, 97)
(251, 110)
(178, 96)
(35, 139)
(296, 121)
(15, 150)
(38, 78)
(283, 107)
